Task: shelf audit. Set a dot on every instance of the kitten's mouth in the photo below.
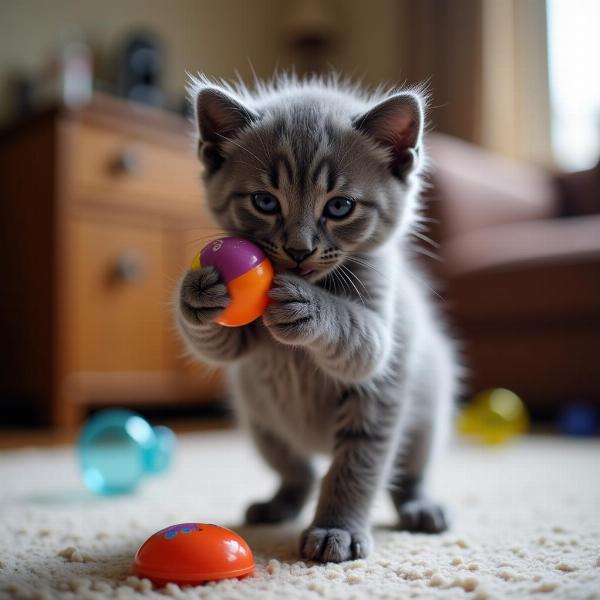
(302, 272)
(307, 272)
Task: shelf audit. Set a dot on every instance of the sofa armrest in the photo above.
(542, 269)
(506, 246)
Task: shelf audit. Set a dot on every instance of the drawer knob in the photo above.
(127, 162)
(129, 267)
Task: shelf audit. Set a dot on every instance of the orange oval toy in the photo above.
(246, 271)
(193, 553)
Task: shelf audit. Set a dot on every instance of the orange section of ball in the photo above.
(248, 294)
(193, 553)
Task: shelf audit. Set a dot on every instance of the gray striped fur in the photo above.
(350, 359)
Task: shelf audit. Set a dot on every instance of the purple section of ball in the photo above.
(231, 256)
(171, 532)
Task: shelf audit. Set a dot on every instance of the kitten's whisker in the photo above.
(363, 263)
(427, 253)
(422, 282)
(339, 280)
(330, 275)
(343, 283)
(425, 238)
(336, 282)
(367, 264)
(350, 272)
(345, 276)
(420, 250)
(360, 261)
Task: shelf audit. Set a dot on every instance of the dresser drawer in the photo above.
(121, 169)
(118, 315)
(110, 218)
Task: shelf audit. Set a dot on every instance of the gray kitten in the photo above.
(350, 359)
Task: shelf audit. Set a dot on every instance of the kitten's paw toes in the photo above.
(423, 516)
(334, 544)
(202, 295)
(273, 511)
(291, 316)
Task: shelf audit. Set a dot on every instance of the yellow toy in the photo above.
(494, 416)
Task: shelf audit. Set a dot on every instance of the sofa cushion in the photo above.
(546, 269)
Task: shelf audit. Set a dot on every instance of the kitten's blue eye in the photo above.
(265, 203)
(338, 208)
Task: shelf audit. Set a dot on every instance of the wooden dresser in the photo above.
(101, 211)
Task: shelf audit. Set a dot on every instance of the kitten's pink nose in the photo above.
(299, 254)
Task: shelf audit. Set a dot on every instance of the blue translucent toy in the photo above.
(118, 448)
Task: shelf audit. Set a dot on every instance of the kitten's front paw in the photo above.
(291, 317)
(422, 516)
(202, 295)
(335, 544)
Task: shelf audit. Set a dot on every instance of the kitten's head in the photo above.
(311, 171)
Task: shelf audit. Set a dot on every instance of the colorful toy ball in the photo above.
(246, 271)
(193, 553)
(494, 416)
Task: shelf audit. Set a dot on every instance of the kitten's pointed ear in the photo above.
(219, 117)
(397, 125)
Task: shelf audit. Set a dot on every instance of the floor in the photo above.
(525, 524)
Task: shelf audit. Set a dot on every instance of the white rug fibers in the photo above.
(526, 524)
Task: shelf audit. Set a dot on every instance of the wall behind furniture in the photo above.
(200, 35)
(213, 36)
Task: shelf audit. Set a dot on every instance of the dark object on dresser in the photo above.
(140, 70)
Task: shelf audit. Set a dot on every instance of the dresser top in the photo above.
(113, 113)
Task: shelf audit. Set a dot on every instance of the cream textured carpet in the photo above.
(526, 523)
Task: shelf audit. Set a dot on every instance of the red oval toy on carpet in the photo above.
(193, 553)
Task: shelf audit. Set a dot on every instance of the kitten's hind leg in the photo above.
(417, 512)
(297, 478)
